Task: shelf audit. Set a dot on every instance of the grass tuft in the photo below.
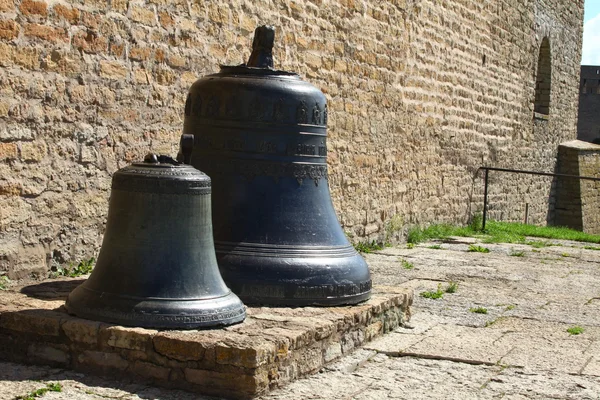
(452, 287)
(478, 249)
(4, 281)
(438, 294)
(478, 310)
(50, 387)
(435, 247)
(368, 247)
(517, 253)
(407, 265)
(575, 330)
(73, 271)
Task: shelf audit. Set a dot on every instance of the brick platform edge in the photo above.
(271, 348)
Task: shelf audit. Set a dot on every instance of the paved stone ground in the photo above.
(520, 349)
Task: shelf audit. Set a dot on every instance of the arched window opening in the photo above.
(543, 79)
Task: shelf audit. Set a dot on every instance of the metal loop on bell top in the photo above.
(262, 48)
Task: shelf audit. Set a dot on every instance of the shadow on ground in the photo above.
(52, 290)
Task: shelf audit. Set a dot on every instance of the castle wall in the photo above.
(577, 201)
(421, 94)
(588, 122)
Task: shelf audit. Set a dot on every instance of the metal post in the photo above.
(485, 190)
(526, 213)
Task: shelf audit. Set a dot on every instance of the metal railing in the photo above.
(520, 171)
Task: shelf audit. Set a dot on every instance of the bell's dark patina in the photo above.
(261, 135)
(157, 266)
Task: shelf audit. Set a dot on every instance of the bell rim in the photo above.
(154, 314)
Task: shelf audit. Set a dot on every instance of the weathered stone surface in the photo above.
(39, 322)
(48, 354)
(531, 302)
(126, 337)
(8, 30)
(186, 346)
(81, 330)
(99, 359)
(272, 347)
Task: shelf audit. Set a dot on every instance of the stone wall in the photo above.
(588, 121)
(578, 201)
(421, 93)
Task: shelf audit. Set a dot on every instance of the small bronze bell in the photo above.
(261, 135)
(157, 266)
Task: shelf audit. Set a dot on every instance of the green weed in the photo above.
(368, 247)
(435, 247)
(407, 265)
(438, 294)
(591, 248)
(4, 281)
(517, 253)
(73, 271)
(509, 307)
(478, 310)
(565, 255)
(575, 330)
(410, 246)
(50, 387)
(452, 287)
(478, 249)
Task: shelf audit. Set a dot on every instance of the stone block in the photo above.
(149, 370)
(90, 42)
(245, 353)
(38, 322)
(9, 29)
(221, 381)
(113, 70)
(139, 53)
(176, 61)
(7, 5)
(8, 151)
(119, 5)
(102, 360)
(81, 330)
(143, 15)
(33, 151)
(183, 346)
(69, 14)
(332, 351)
(48, 354)
(32, 7)
(126, 338)
(166, 20)
(45, 32)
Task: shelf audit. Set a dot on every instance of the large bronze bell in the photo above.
(261, 135)
(157, 266)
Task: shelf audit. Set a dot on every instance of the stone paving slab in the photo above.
(271, 348)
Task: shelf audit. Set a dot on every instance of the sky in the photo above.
(591, 33)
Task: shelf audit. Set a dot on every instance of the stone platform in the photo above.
(272, 347)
